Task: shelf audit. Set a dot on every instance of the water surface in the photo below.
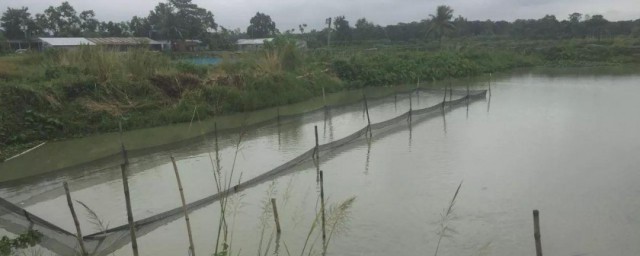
(565, 143)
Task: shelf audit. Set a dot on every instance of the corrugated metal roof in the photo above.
(122, 40)
(66, 41)
(258, 41)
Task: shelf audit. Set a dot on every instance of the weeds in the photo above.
(447, 216)
(22, 241)
(94, 219)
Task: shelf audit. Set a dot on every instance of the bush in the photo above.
(384, 68)
(194, 69)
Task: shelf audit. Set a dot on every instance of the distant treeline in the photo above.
(182, 19)
(547, 27)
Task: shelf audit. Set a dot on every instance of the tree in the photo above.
(88, 23)
(223, 39)
(301, 27)
(162, 18)
(635, 31)
(61, 21)
(343, 30)
(17, 23)
(191, 20)
(261, 26)
(441, 22)
(4, 45)
(575, 26)
(140, 27)
(178, 19)
(596, 25)
(547, 27)
(365, 30)
(575, 17)
(114, 29)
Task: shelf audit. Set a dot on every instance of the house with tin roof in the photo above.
(63, 42)
(114, 43)
(126, 43)
(252, 44)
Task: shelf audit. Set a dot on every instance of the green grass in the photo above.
(62, 94)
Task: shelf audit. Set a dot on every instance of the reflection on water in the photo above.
(564, 144)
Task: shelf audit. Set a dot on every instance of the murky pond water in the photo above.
(564, 143)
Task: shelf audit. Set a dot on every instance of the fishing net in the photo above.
(17, 220)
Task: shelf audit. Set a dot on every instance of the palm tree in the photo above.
(441, 22)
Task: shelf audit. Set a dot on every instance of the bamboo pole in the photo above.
(324, 231)
(366, 108)
(277, 250)
(125, 155)
(275, 215)
(536, 232)
(75, 219)
(127, 198)
(25, 152)
(184, 207)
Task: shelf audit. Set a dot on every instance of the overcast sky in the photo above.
(289, 13)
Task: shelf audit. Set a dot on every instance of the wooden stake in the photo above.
(275, 215)
(127, 198)
(125, 155)
(184, 207)
(366, 108)
(324, 232)
(75, 219)
(536, 232)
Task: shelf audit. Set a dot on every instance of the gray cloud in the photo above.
(289, 13)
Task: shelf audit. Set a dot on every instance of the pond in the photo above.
(564, 142)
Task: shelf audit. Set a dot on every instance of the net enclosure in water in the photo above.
(17, 220)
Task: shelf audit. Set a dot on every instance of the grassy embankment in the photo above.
(62, 94)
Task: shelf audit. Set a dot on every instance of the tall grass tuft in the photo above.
(337, 221)
(94, 219)
(445, 229)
